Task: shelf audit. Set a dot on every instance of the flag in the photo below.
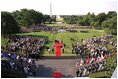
(88, 61)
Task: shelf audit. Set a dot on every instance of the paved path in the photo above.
(48, 66)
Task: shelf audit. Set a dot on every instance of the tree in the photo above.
(86, 20)
(110, 25)
(8, 23)
(80, 20)
(46, 18)
(27, 17)
(101, 17)
(111, 14)
(96, 24)
(70, 19)
(92, 23)
(90, 17)
(53, 18)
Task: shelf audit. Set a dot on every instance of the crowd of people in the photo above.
(101, 40)
(92, 51)
(95, 58)
(90, 68)
(14, 62)
(26, 45)
(93, 54)
(20, 52)
(94, 44)
(41, 28)
(53, 29)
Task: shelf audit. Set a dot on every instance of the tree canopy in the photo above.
(8, 23)
(110, 25)
(105, 21)
(26, 17)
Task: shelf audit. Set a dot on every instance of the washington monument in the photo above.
(50, 10)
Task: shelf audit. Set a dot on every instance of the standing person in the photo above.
(81, 62)
(77, 64)
(81, 40)
(33, 68)
(29, 70)
(49, 50)
(63, 46)
(77, 72)
(58, 47)
(73, 48)
(52, 49)
(63, 49)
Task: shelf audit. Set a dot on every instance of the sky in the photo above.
(61, 7)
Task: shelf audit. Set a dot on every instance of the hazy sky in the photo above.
(61, 7)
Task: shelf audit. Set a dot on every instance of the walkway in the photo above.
(46, 67)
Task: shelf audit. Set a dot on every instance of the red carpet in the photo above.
(57, 75)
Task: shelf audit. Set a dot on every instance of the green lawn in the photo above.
(65, 37)
(3, 41)
(95, 75)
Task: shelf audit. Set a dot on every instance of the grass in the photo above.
(65, 37)
(95, 75)
(3, 41)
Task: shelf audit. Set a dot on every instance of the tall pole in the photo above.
(50, 10)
